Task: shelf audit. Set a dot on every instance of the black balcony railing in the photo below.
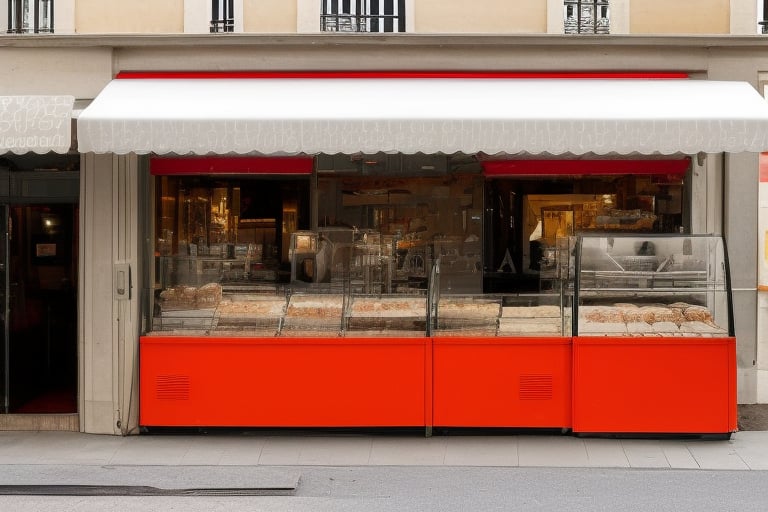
(362, 16)
(587, 17)
(764, 22)
(222, 16)
(30, 16)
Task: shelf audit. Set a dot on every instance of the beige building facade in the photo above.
(723, 17)
(95, 40)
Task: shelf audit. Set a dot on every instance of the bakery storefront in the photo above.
(430, 251)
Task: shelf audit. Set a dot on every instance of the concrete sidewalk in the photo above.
(744, 451)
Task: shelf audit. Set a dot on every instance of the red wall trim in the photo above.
(502, 168)
(231, 165)
(390, 74)
(763, 167)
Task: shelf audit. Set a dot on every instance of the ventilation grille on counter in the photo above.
(535, 387)
(172, 387)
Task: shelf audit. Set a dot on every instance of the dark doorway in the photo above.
(39, 301)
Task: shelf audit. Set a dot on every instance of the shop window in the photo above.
(586, 17)
(30, 16)
(362, 16)
(222, 16)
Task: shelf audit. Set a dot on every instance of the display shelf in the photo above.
(654, 285)
(386, 315)
(313, 315)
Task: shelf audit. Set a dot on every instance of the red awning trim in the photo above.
(133, 75)
(511, 168)
(159, 166)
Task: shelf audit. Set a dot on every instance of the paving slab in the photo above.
(606, 453)
(644, 453)
(679, 456)
(552, 451)
(408, 451)
(482, 451)
(335, 451)
(717, 455)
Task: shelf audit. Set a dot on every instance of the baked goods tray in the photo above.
(383, 313)
(182, 319)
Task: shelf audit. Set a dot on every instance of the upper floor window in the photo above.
(762, 15)
(223, 16)
(587, 17)
(30, 16)
(362, 16)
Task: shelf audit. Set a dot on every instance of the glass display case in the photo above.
(392, 315)
(652, 285)
(654, 349)
(504, 315)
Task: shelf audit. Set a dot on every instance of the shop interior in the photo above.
(384, 224)
(230, 230)
(525, 217)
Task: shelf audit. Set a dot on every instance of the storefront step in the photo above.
(57, 422)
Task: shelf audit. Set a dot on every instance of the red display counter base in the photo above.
(654, 385)
(588, 385)
(502, 382)
(284, 382)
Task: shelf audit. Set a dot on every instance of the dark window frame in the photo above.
(586, 16)
(37, 9)
(222, 16)
(370, 16)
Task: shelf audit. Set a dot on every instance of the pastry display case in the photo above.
(386, 316)
(502, 361)
(504, 315)
(661, 285)
(653, 348)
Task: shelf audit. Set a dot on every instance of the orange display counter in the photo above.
(654, 385)
(285, 382)
(502, 382)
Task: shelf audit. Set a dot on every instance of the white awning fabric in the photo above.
(430, 115)
(37, 124)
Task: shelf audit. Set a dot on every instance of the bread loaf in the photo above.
(603, 328)
(697, 314)
(601, 314)
(530, 312)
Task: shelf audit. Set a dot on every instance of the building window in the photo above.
(587, 17)
(762, 15)
(222, 16)
(30, 16)
(362, 16)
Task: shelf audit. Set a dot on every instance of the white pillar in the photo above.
(762, 283)
(108, 327)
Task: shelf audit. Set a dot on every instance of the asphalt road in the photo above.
(372, 489)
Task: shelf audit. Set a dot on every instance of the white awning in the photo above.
(37, 124)
(430, 115)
